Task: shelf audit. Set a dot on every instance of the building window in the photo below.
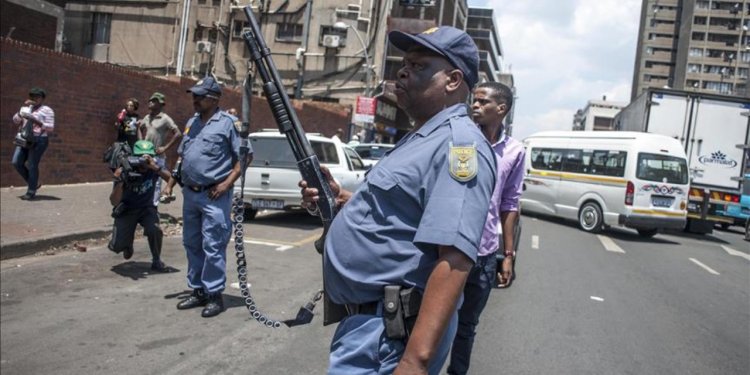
(602, 123)
(698, 36)
(722, 87)
(701, 5)
(649, 50)
(238, 27)
(696, 52)
(742, 72)
(100, 28)
(288, 32)
(694, 68)
(745, 56)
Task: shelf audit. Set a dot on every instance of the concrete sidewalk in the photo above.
(59, 214)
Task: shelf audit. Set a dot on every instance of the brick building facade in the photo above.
(86, 95)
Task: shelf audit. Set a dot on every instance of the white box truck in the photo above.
(714, 130)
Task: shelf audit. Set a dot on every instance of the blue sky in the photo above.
(563, 53)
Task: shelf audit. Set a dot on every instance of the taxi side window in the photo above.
(547, 159)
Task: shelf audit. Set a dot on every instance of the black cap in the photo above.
(38, 91)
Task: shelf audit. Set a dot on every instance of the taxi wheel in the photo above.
(590, 218)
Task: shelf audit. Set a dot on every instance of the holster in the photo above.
(332, 312)
(400, 309)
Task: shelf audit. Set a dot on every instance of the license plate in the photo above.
(662, 201)
(273, 204)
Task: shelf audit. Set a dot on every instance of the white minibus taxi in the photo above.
(607, 178)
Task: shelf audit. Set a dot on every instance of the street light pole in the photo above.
(343, 26)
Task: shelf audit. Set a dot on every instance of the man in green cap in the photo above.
(158, 128)
(133, 200)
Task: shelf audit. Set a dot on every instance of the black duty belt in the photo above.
(369, 308)
(199, 189)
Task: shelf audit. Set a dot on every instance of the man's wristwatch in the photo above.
(510, 253)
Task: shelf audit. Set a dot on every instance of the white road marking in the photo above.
(595, 298)
(279, 247)
(735, 252)
(535, 242)
(610, 245)
(705, 267)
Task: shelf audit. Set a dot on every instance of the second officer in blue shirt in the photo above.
(210, 156)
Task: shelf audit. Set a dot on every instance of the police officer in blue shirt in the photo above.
(416, 221)
(210, 159)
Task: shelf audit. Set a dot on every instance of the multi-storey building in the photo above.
(327, 50)
(700, 45)
(597, 115)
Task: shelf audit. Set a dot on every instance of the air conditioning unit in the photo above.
(203, 46)
(331, 41)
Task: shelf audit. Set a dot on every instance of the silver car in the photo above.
(271, 179)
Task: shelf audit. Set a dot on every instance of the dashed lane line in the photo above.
(278, 246)
(705, 267)
(283, 246)
(734, 252)
(535, 242)
(609, 245)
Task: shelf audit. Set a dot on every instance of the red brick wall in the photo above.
(86, 97)
(28, 25)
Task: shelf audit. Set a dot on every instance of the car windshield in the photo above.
(371, 152)
(662, 168)
(275, 152)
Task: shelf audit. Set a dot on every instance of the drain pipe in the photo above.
(183, 38)
(302, 51)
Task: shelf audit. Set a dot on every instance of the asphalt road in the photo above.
(581, 304)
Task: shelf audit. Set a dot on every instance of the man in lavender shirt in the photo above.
(492, 101)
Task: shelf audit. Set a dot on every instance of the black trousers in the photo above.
(123, 232)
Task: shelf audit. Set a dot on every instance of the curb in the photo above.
(24, 248)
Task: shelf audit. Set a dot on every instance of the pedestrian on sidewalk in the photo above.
(26, 158)
(414, 226)
(210, 163)
(127, 123)
(158, 128)
(492, 102)
(132, 199)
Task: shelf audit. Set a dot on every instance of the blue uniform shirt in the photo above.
(390, 229)
(209, 150)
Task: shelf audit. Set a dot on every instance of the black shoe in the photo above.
(198, 298)
(27, 197)
(215, 306)
(127, 253)
(159, 266)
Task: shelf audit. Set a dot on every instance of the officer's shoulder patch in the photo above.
(463, 165)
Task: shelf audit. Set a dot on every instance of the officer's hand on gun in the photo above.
(310, 195)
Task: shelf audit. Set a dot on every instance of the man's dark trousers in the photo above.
(123, 232)
(476, 293)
